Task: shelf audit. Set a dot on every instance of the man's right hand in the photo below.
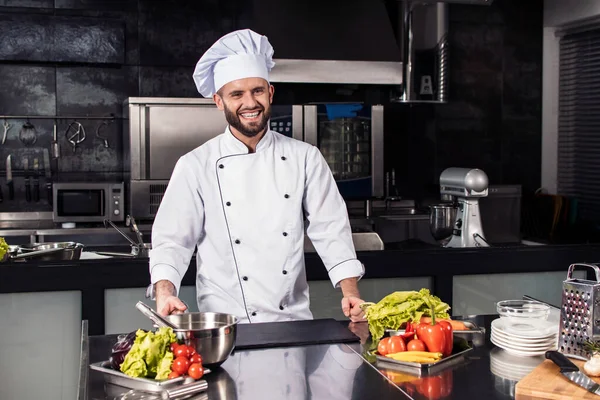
(167, 302)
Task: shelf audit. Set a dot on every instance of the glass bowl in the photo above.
(523, 309)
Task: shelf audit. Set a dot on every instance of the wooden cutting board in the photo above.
(546, 382)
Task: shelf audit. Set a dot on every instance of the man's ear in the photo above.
(271, 92)
(218, 101)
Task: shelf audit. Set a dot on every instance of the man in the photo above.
(241, 199)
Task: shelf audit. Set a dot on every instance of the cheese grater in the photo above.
(579, 313)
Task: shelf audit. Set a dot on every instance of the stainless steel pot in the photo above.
(441, 221)
(51, 251)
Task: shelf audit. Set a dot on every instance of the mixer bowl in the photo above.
(441, 221)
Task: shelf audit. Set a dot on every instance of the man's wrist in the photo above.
(159, 289)
(349, 287)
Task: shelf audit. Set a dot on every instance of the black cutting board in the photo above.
(292, 333)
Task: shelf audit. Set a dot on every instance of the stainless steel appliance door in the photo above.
(353, 148)
(172, 131)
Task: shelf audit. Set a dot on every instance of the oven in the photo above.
(88, 202)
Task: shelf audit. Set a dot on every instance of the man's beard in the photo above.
(248, 129)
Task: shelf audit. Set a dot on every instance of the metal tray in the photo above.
(475, 335)
(118, 378)
(424, 367)
(473, 329)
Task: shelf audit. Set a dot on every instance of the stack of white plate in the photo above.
(524, 337)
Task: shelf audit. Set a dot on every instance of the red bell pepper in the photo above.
(432, 335)
(449, 337)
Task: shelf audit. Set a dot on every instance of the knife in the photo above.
(572, 373)
(36, 180)
(48, 176)
(9, 181)
(27, 186)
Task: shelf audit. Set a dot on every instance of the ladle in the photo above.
(154, 316)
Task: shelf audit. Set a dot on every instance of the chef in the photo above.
(241, 199)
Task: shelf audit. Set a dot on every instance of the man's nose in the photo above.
(250, 101)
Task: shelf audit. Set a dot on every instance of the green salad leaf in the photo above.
(397, 308)
(150, 355)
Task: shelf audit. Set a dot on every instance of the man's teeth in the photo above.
(250, 115)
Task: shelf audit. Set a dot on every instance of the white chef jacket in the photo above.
(244, 213)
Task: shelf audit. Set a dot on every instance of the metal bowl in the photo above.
(441, 221)
(50, 251)
(213, 335)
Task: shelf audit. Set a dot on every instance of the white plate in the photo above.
(530, 328)
(525, 347)
(524, 341)
(519, 352)
(521, 340)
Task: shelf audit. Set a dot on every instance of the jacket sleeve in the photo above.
(328, 222)
(178, 226)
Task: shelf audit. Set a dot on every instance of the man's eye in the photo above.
(259, 91)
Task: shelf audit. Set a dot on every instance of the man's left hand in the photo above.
(351, 308)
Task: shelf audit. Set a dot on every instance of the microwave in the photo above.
(88, 202)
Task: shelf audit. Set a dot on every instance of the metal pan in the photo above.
(51, 251)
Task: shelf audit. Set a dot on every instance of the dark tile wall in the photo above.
(77, 58)
(493, 119)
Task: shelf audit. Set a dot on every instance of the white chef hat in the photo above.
(239, 54)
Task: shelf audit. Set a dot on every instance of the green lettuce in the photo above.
(397, 308)
(150, 356)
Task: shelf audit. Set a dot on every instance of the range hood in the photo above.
(365, 42)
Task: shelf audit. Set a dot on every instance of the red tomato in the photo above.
(196, 358)
(196, 371)
(416, 345)
(180, 365)
(173, 346)
(192, 350)
(173, 375)
(182, 351)
(396, 345)
(383, 346)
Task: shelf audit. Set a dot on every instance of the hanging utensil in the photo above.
(75, 134)
(36, 180)
(54, 146)
(48, 173)
(9, 178)
(154, 316)
(105, 140)
(6, 129)
(27, 185)
(28, 134)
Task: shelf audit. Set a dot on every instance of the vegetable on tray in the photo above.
(437, 335)
(3, 248)
(155, 355)
(150, 355)
(399, 308)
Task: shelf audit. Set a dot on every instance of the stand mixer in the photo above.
(464, 187)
